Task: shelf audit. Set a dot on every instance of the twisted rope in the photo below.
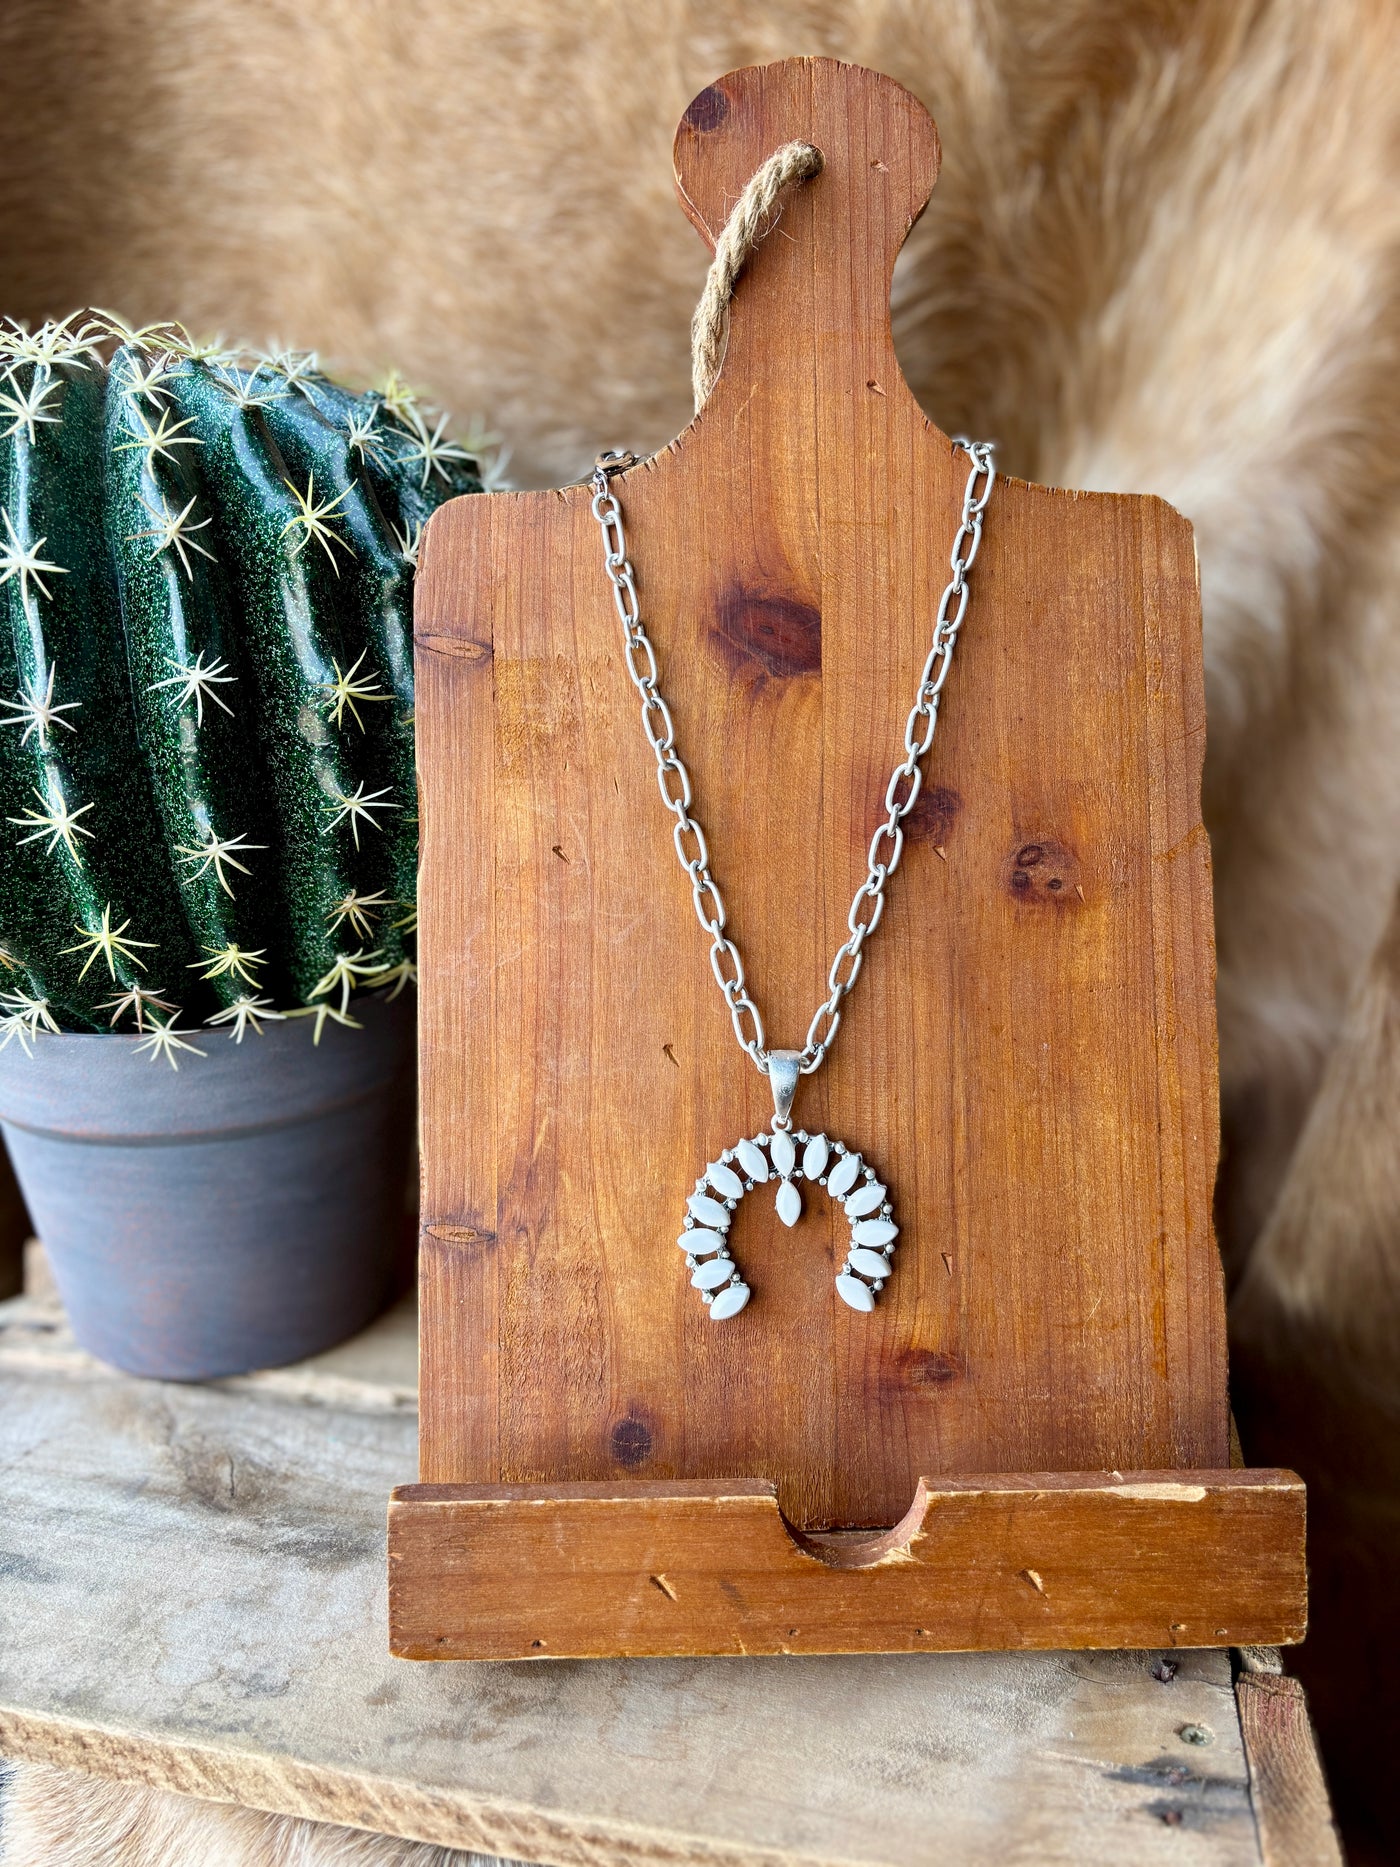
(742, 232)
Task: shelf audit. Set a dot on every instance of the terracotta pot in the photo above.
(242, 1212)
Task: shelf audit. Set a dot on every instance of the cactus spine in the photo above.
(206, 684)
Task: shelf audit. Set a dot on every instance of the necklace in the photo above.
(756, 1159)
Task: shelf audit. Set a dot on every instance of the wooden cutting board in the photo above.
(1029, 1055)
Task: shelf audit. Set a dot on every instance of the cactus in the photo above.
(207, 797)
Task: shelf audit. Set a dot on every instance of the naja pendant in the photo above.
(788, 1159)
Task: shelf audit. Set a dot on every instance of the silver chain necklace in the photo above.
(758, 1158)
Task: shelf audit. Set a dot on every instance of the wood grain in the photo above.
(1285, 1774)
(1029, 1056)
(457, 1257)
(1045, 1561)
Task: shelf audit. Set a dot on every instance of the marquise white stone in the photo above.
(699, 1243)
(814, 1157)
(851, 1290)
(719, 1271)
(753, 1160)
(843, 1176)
(868, 1199)
(724, 1180)
(708, 1211)
(729, 1302)
(783, 1152)
(874, 1232)
(789, 1203)
(868, 1263)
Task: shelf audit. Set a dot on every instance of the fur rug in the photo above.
(1162, 257)
(52, 1818)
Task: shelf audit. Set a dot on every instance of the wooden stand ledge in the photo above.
(1021, 1560)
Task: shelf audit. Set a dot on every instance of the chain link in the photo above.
(901, 794)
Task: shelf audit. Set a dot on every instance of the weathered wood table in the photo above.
(192, 1595)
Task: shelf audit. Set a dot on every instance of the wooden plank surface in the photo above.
(1029, 1055)
(1050, 1560)
(191, 1594)
(1285, 1773)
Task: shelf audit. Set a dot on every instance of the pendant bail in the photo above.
(783, 1071)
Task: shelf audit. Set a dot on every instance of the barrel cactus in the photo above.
(207, 796)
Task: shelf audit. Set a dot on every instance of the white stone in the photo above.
(708, 1211)
(789, 1203)
(869, 1263)
(851, 1290)
(815, 1156)
(874, 1232)
(700, 1243)
(710, 1276)
(724, 1180)
(783, 1152)
(866, 1199)
(753, 1160)
(729, 1302)
(843, 1176)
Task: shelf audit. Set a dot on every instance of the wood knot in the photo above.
(630, 1441)
(460, 647)
(466, 1238)
(931, 1367)
(1045, 872)
(707, 111)
(934, 813)
(768, 632)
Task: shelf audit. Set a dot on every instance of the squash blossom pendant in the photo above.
(775, 1156)
(787, 1158)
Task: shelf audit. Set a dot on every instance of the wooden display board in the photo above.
(1038, 1403)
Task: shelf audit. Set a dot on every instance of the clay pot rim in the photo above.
(91, 1087)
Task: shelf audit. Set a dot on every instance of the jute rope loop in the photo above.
(742, 232)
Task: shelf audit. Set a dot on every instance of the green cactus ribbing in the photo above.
(206, 684)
